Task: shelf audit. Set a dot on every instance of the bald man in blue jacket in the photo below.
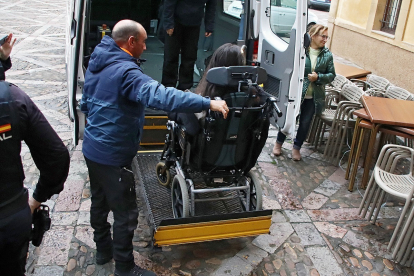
(115, 95)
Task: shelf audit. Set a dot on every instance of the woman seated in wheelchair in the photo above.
(226, 55)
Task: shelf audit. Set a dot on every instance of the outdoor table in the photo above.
(384, 112)
(350, 72)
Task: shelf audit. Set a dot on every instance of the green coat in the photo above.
(326, 73)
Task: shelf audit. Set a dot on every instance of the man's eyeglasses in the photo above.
(324, 36)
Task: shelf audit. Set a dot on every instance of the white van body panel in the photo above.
(74, 68)
(285, 62)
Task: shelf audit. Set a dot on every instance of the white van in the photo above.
(281, 24)
(283, 56)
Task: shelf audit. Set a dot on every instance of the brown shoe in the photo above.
(296, 155)
(277, 149)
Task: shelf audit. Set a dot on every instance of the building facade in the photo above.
(377, 35)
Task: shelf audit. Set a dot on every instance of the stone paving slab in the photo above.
(85, 235)
(69, 198)
(252, 254)
(328, 188)
(233, 266)
(297, 216)
(330, 229)
(64, 218)
(324, 261)
(279, 232)
(314, 201)
(308, 233)
(334, 214)
(55, 246)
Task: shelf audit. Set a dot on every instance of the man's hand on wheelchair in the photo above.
(219, 106)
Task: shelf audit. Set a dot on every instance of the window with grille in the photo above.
(390, 18)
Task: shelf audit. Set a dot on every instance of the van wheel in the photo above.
(255, 192)
(179, 198)
(163, 178)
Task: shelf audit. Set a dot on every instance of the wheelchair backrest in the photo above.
(235, 142)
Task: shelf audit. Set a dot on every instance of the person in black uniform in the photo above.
(182, 20)
(21, 120)
(5, 50)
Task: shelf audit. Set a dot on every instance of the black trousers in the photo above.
(113, 188)
(14, 242)
(185, 41)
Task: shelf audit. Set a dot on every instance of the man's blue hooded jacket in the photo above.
(114, 98)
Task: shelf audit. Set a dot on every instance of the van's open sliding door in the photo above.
(280, 26)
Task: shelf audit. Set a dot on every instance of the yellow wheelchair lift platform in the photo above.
(214, 220)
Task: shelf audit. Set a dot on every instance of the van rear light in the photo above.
(255, 50)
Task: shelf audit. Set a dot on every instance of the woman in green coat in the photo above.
(319, 71)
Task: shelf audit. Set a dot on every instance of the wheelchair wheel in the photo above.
(163, 179)
(255, 192)
(179, 198)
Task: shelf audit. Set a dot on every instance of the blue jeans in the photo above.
(307, 109)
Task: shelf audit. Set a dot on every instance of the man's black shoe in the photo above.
(135, 271)
(103, 257)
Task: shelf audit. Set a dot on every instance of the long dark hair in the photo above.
(226, 55)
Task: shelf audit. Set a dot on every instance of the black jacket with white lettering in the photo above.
(21, 120)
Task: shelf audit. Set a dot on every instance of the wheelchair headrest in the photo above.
(230, 76)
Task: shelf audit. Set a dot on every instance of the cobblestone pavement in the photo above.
(315, 229)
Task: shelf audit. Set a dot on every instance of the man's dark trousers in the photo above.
(14, 242)
(184, 40)
(113, 188)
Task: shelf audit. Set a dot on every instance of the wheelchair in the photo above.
(214, 163)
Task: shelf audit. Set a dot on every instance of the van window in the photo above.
(233, 7)
(282, 17)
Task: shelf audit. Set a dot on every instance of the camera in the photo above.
(41, 223)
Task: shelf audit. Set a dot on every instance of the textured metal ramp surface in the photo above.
(158, 197)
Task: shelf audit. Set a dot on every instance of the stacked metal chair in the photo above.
(377, 85)
(384, 181)
(341, 122)
(332, 98)
(395, 92)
